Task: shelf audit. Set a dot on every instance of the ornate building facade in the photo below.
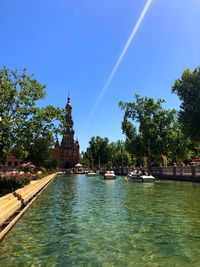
(67, 152)
(12, 161)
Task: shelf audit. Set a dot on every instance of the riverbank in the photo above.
(13, 205)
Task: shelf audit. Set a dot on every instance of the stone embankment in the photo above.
(13, 205)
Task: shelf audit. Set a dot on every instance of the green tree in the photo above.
(41, 152)
(21, 121)
(188, 90)
(148, 126)
(105, 153)
(98, 149)
(119, 154)
(182, 149)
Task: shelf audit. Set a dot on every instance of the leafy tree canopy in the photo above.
(120, 156)
(188, 90)
(41, 152)
(148, 126)
(100, 150)
(21, 121)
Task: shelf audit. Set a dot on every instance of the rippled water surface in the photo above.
(87, 221)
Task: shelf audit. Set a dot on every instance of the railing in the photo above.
(176, 171)
(169, 171)
(161, 172)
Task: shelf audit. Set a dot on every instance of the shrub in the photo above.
(28, 167)
(9, 183)
(14, 180)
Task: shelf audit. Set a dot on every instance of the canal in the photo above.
(87, 221)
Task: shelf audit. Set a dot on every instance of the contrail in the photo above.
(116, 66)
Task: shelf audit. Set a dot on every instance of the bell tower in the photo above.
(68, 132)
(68, 151)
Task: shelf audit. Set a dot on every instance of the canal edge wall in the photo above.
(14, 205)
(178, 178)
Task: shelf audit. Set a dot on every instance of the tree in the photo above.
(181, 147)
(98, 149)
(188, 90)
(108, 154)
(41, 152)
(21, 121)
(119, 154)
(152, 127)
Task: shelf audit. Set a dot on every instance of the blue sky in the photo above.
(73, 45)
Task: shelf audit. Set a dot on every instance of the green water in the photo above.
(87, 221)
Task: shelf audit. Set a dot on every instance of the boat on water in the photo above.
(142, 178)
(79, 169)
(60, 173)
(92, 173)
(109, 175)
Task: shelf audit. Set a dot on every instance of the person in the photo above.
(138, 172)
(148, 172)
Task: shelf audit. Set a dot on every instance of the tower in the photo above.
(67, 152)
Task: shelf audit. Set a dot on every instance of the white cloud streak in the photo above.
(116, 66)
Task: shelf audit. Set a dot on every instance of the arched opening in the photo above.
(9, 163)
(67, 165)
(15, 164)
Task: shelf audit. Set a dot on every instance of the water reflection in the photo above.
(88, 221)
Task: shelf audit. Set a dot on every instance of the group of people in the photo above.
(139, 172)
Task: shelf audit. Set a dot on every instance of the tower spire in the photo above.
(68, 150)
(68, 98)
(68, 104)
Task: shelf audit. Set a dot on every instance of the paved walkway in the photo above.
(11, 203)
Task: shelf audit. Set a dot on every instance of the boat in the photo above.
(60, 173)
(142, 178)
(79, 169)
(109, 175)
(91, 173)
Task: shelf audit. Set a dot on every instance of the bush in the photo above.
(10, 183)
(15, 180)
(28, 167)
